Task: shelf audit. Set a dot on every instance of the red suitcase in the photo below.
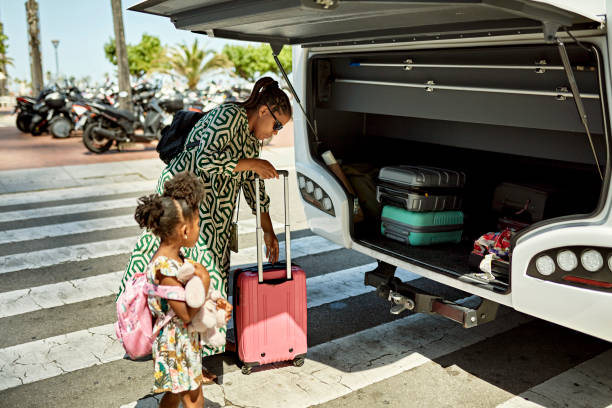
(270, 310)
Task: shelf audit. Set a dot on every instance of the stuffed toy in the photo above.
(208, 317)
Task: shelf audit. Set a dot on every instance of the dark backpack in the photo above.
(173, 137)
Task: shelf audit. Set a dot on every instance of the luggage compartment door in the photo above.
(346, 22)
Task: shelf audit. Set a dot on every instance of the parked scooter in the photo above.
(107, 124)
(71, 116)
(24, 110)
(27, 107)
(45, 110)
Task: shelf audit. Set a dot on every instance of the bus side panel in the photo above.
(578, 308)
(335, 228)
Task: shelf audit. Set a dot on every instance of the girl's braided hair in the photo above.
(180, 201)
(266, 92)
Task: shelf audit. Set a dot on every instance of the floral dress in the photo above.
(176, 352)
(224, 139)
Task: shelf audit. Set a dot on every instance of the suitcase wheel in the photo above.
(298, 361)
(246, 370)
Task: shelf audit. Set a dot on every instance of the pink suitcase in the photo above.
(270, 306)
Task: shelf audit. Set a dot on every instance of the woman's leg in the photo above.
(193, 398)
(170, 400)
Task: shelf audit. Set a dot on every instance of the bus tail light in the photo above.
(314, 195)
(586, 281)
(581, 266)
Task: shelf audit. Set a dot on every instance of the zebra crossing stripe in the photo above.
(19, 215)
(58, 294)
(68, 228)
(322, 289)
(563, 390)
(46, 358)
(48, 257)
(92, 225)
(350, 363)
(76, 192)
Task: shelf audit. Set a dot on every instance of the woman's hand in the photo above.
(271, 246)
(224, 304)
(263, 168)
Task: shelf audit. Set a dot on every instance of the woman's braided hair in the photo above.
(161, 214)
(266, 92)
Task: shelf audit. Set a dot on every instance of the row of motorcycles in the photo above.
(60, 111)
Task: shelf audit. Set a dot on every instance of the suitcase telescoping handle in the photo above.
(259, 231)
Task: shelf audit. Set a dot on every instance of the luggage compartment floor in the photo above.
(450, 259)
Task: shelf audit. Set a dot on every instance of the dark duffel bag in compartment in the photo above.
(419, 188)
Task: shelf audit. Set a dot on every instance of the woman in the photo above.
(226, 158)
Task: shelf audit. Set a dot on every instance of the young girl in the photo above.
(174, 218)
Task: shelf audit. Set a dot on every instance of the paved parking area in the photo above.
(23, 151)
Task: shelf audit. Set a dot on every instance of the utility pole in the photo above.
(122, 60)
(55, 45)
(34, 36)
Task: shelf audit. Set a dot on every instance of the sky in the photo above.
(82, 27)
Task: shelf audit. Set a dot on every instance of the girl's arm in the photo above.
(184, 312)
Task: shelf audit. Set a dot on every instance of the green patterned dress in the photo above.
(224, 139)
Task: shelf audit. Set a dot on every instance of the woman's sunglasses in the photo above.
(277, 123)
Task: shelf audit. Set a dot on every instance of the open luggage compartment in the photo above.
(369, 108)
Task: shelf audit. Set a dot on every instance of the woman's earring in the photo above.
(185, 236)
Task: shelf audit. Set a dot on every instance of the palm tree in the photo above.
(189, 62)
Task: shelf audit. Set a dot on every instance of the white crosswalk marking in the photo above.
(96, 224)
(19, 215)
(562, 390)
(48, 257)
(94, 250)
(321, 289)
(76, 192)
(57, 294)
(69, 228)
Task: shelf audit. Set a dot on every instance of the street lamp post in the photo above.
(56, 44)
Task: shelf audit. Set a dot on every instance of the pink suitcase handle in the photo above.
(259, 231)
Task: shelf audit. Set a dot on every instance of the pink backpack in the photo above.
(134, 326)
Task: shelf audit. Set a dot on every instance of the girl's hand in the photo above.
(200, 271)
(271, 246)
(224, 304)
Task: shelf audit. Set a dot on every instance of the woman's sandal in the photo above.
(209, 377)
(230, 347)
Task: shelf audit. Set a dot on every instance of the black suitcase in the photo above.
(420, 188)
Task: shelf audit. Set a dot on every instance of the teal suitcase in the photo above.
(422, 228)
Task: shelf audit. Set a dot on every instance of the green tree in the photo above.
(190, 62)
(4, 61)
(146, 56)
(250, 62)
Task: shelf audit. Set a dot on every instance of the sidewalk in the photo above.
(37, 179)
